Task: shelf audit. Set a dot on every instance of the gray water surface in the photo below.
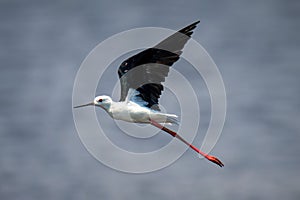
(254, 43)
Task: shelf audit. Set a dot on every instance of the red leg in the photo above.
(174, 134)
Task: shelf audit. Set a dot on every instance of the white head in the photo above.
(101, 101)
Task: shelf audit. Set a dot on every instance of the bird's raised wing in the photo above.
(146, 70)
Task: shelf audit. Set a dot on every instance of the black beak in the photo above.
(89, 104)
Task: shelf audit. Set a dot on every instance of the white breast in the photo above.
(130, 112)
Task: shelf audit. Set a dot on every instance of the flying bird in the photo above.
(141, 77)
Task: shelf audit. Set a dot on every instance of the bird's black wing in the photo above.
(146, 70)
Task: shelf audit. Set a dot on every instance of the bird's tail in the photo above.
(164, 118)
(172, 119)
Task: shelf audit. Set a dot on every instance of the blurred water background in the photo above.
(254, 43)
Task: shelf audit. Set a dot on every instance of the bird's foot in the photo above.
(214, 160)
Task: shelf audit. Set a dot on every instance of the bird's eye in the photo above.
(100, 100)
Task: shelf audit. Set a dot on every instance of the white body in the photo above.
(131, 111)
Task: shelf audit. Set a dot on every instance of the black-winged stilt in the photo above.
(141, 78)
